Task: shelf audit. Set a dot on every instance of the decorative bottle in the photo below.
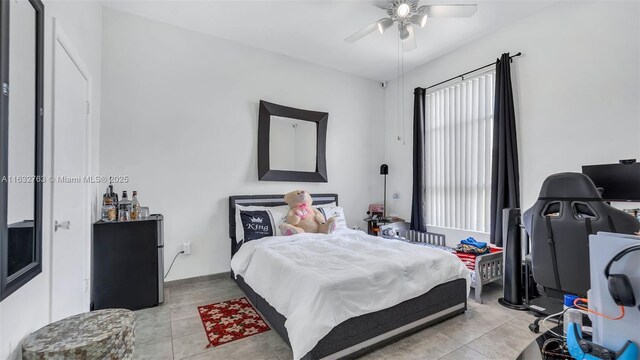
(124, 208)
(114, 198)
(135, 206)
(108, 210)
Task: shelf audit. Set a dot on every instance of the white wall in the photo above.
(180, 118)
(576, 87)
(28, 308)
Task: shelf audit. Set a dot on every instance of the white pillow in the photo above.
(270, 219)
(337, 212)
(329, 205)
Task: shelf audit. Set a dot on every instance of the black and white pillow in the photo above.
(255, 222)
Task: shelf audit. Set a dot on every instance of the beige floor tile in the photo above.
(464, 353)
(504, 342)
(425, 344)
(152, 316)
(156, 333)
(184, 311)
(247, 348)
(186, 326)
(158, 351)
(178, 291)
(470, 325)
(472, 303)
(277, 345)
(190, 345)
(375, 355)
(205, 295)
(523, 320)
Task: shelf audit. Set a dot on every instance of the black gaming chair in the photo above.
(569, 209)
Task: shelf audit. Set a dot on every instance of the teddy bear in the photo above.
(302, 218)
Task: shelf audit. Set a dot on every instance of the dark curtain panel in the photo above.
(505, 179)
(418, 222)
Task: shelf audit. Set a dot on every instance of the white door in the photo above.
(71, 238)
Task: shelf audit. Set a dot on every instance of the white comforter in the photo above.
(318, 281)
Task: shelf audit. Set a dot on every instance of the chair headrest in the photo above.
(574, 186)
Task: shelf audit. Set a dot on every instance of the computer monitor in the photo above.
(621, 182)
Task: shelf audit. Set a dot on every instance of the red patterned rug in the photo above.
(230, 320)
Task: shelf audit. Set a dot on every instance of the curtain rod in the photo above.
(469, 72)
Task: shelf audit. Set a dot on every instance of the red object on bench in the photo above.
(470, 259)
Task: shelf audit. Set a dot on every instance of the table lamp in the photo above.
(384, 170)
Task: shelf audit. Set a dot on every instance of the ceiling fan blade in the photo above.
(409, 43)
(460, 10)
(382, 4)
(362, 33)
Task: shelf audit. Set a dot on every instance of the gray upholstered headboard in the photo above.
(265, 200)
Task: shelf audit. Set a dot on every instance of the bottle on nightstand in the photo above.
(124, 208)
(135, 206)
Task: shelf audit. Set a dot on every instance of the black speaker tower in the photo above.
(512, 271)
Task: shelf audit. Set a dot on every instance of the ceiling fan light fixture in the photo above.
(419, 19)
(403, 10)
(384, 24)
(404, 32)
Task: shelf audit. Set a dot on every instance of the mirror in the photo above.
(21, 69)
(291, 144)
(21, 142)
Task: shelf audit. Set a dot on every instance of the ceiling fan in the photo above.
(407, 13)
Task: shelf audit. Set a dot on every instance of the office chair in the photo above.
(568, 210)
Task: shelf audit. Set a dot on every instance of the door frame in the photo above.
(61, 38)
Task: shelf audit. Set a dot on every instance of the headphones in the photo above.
(619, 285)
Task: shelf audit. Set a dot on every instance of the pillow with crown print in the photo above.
(277, 215)
(257, 224)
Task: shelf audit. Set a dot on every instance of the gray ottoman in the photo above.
(103, 334)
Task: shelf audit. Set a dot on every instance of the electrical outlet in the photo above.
(186, 247)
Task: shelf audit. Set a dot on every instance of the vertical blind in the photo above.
(459, 131)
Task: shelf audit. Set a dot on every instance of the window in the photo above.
(459, 132)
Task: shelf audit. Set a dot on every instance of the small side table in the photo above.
(103, 334)
(374, 224)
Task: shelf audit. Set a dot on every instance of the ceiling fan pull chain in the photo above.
(403, 113)
(399, 89)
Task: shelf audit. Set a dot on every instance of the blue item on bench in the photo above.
(586, 350)
(473, 242)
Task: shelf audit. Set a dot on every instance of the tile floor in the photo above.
(173, 330)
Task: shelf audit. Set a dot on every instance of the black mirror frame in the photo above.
(265, 173)
(8, 287)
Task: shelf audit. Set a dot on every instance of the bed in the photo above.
(355, 335)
